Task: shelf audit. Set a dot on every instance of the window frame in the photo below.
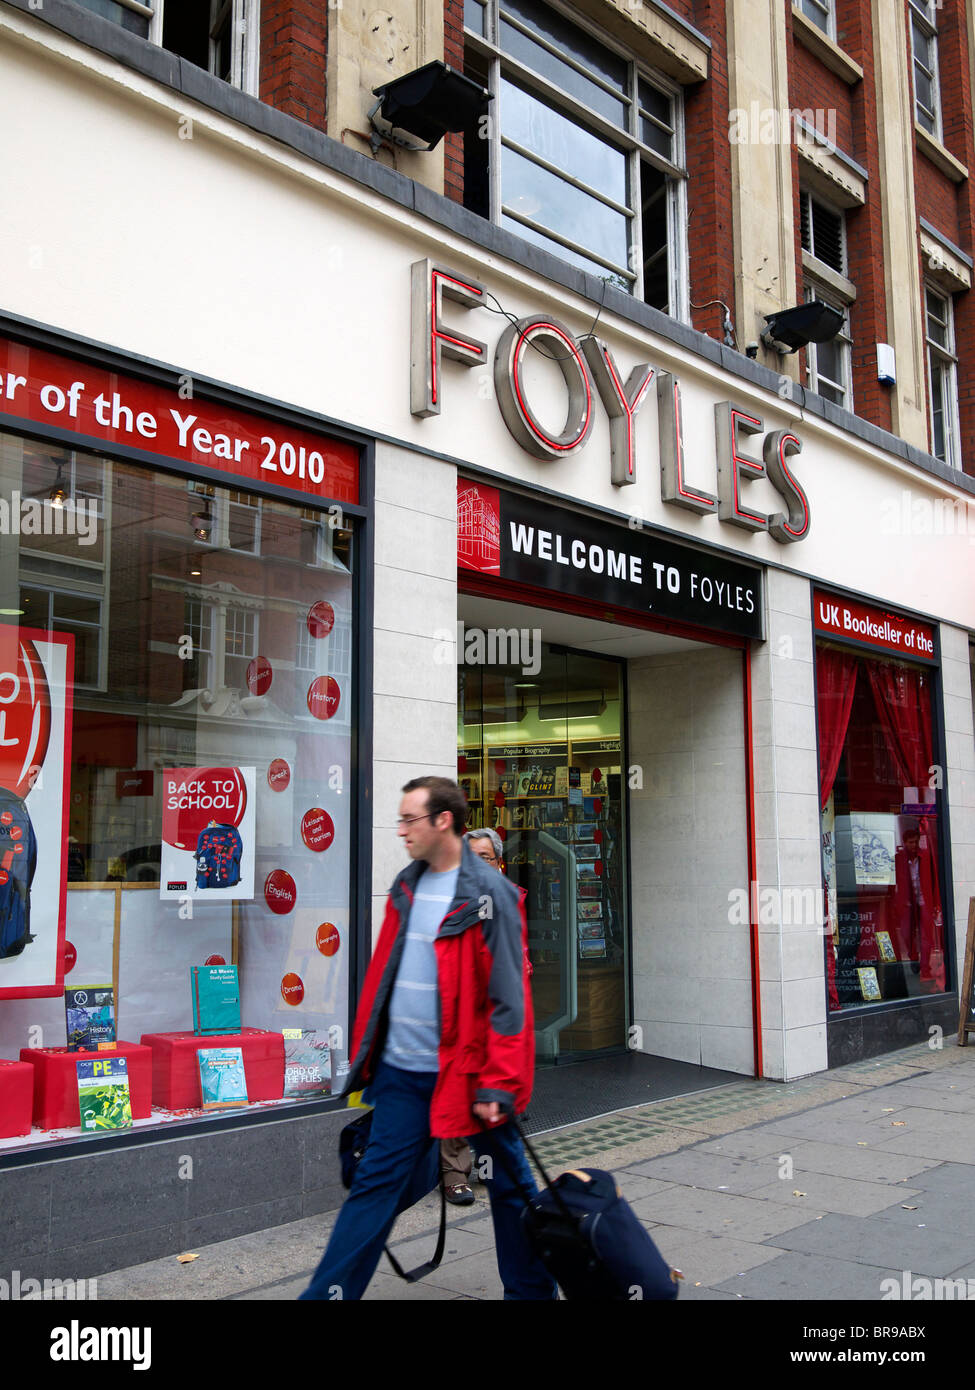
(921, 18)
(945, 354)
(816, 286)
(498, 63)
(245, 36)
(828, 7)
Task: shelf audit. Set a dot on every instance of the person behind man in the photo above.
(456, 1159)
(444, 1040)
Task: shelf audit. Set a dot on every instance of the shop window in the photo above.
(942, 375)
(881, 828)
(924, 54)
(540, 760)
(132, 716)
(217, 35)
(584, 154)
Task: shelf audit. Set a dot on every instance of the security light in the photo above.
(430, 102)
(791, 329)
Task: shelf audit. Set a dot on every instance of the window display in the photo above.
(881, 821)
(176, 729)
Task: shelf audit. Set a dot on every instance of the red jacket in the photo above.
(487, 1038)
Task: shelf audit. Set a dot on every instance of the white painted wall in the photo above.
(691, 965)
(414, 662)
(230, 256)
(787, 830)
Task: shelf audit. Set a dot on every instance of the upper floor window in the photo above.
(942, 375)
(230, 519)
(924, 51)
(823, 238)
(583, 151)
(822, 13)
(218, 35)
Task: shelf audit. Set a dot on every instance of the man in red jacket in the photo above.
(444, 1040)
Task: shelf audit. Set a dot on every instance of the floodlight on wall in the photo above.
(428, 103)
(791, 329)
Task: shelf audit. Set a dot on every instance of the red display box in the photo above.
(56, 1082)
(176, 1072)
(16, 1098)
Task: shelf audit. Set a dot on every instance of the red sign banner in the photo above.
(840, 617)
(108, 408)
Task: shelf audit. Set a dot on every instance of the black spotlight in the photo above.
(431, 101)
(814, 322)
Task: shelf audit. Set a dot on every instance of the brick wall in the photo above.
(294, 45)
(710, 226)
(948, 205)
(453, 45)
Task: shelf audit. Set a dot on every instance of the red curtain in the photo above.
(836, 678)
(902, 695)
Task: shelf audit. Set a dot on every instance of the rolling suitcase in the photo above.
(586, 1235)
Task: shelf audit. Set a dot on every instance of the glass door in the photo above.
(540, 757)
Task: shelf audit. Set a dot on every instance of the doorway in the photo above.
(541, 759)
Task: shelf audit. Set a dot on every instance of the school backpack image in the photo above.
(218, 854)
(18, 860)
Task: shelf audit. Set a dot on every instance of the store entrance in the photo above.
(540, 756)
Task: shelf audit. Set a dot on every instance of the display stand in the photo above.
(16, 1098)
(176, 1073)
(56, 1082)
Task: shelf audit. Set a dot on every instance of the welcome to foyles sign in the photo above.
(525, 541)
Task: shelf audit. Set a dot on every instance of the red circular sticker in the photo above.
(278, 775)
(317, 829)
(598, 807)
(597, 836)
(259, 676)
(292, 989)
(500, 766)
(499, 798)
(320, 619)
(214, 960)
(70, 957)
(327, 939)
(597, 775)
(323, 697)
(598, 866)
(502, 833)
(280, 892)
(26, 705)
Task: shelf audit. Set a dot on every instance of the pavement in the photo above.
(820, 1189)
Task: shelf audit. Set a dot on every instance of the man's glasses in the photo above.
(488, 858)
(408, 820)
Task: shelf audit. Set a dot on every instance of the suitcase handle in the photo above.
(556, 1194)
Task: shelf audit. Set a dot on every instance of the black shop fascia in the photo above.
(507, 541)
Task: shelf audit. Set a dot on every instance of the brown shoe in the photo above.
(459, 1194)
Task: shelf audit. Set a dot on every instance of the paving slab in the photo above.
(873, 1164)
(721, 1213)
(795, 1276)
(826, 1192)
(926, 1250)
(722, 1173)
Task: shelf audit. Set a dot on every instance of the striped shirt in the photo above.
(413, 1040)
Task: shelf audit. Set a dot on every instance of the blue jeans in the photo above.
(400, 1133)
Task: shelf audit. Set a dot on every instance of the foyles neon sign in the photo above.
(588, 370)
